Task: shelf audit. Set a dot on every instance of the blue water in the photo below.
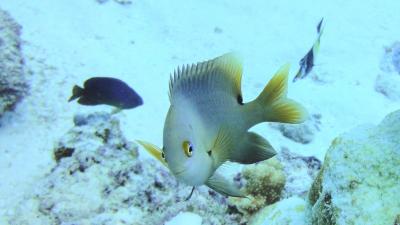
(63, 43)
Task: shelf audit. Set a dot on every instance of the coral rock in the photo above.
(359, 180)
(290, 211)
(264, 185)
(99, 179)
(302, 133)
(300, 171)
(12, 81)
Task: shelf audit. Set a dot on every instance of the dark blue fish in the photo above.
(106, 90)
(307, 62)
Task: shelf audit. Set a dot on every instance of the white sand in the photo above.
(69, 41)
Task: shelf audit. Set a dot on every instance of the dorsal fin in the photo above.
(221, 73)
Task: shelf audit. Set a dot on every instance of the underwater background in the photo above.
(65, 163)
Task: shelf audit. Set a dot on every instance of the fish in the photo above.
(307, 62)
(207, 124)
(106, 90)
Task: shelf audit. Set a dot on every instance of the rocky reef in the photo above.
(99, 179)
(359, 180)
(13, 85)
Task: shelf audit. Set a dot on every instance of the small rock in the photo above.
(388, 84)
(183, 218)
(302, 133)
(289, 211)
(217, 30)
(391, 59)
(388, 80)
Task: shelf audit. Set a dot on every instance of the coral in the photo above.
(264, 183)
(100, 179)
(12, 81)
(300, 171)
(290, 211)
(359, 180)
(302, 133)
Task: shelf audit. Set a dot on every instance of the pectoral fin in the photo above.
(154, 151)
(222, 145)
(253, 148)
(223, 186)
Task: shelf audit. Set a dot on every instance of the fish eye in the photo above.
(187, 148)
(162, 155)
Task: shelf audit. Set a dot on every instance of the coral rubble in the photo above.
(99, 179)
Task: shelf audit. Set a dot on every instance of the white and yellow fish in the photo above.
(207, 123)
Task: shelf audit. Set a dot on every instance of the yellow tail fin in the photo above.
(278, 108)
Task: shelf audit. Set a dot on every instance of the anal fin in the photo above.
(253, 148)
(223, 186)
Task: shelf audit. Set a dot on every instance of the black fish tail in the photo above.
(76, 93)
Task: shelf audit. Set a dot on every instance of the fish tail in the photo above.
(275, 106)
(76, 93)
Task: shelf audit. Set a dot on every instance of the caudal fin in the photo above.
(276, 106)
(76, 93)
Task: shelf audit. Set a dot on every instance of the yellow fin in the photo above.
(154, 151)
(231, 64)
(222, 185)
(222, 146)
(278, 108)
(253, 148)
(221, 73)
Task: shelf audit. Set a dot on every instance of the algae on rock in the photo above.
(264, 184)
